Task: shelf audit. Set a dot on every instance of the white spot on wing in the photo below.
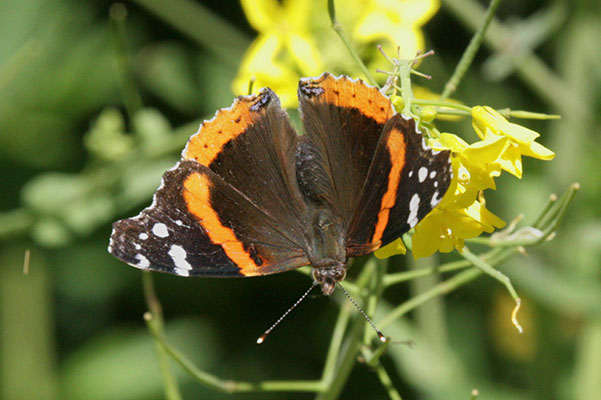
(142, 261)
(178, 223)
(432, 174)
(137, 246)
(413, 208)
(410, 174)
(435, 199)
(159, 229)
(422, 173)
(143, 235)
(178, 255)
(435, 183)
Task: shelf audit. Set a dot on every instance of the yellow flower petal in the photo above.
(304, 52)
(519, 133)
(262, 15)
(489, 125)
(511, 160)
(487, 219)
(391, 249)
(537, 150)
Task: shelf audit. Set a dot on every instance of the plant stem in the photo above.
(442, 288)
(532, 69)
(399, 277)
(466, 110)
(336, 341)
(154, 320)
(387, 383)
(340, 32)
(349, 355)
(336, 375)
(375, 293)
(470, 52)
(15, 223)
(495, 273)
(202, 25)
(129, 92)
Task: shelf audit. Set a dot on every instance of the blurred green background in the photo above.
(72, 328)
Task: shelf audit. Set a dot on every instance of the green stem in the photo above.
(557, 209)
(336, 342)
(399, 277)
(470, 52)
(154, 321)
(351, 347)
(338, 29)
(387, 383)
(532, 69)
(342, 355)
(375, 293)
(406, 90)
(202, 25)
(466, 110)
(131, 97)
(15, 223)
(508, 113)
(440, 289)
(490, 270)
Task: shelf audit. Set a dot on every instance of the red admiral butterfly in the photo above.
(252, 197)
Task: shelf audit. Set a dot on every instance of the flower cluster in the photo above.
(296, 40)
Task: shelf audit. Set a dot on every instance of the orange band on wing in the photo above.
(197, 189)
(227, 124)
(396, 148)
(344, 92)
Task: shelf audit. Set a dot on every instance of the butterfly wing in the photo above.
(406, 180)
(231, 207)
(343, 119)
(382, 177)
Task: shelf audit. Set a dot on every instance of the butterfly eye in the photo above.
(339, 274)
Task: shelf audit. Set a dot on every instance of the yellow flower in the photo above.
(284, 50)
(391, 249)
(474, 166)
(393, 23)
(445, 228)
(489, 124)
(296, 40)
(460, 215)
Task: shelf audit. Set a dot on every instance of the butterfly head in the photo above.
(328, 276)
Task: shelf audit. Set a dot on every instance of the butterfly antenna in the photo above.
(369, 321)
(261, 338)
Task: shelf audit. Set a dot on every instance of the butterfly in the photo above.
(252, 197)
